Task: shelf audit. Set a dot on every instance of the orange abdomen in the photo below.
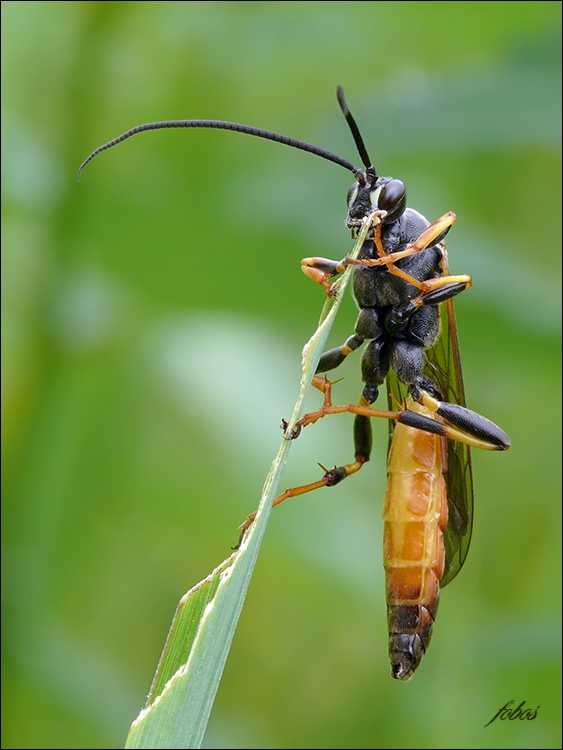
(415, 514)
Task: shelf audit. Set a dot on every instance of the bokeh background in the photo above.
(153, 319)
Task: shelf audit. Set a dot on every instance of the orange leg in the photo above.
(465, 426)
(325, 385)
(321, 270)
(426, 239)
(338, 473)
(331, 477)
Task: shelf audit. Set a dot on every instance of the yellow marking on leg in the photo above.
(431, 284)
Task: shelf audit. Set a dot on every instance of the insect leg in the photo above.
(362, 445)
(322, 269)
(466, 426)
(335, 357)
(462, 424)
(375, 366)
(362, 408)
(443, 291)
(433, 235)
(329, 479)
(471, 429)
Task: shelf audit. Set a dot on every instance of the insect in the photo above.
(404, 290)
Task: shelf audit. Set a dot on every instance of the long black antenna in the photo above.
(220, 125)
(358, 140)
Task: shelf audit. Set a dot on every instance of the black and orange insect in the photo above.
(404, 289)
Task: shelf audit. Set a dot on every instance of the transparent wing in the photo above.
(443, 366)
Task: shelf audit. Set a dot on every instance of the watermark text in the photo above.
(520, 713)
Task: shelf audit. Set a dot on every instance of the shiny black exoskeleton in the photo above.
(397, 332)
(380, 296)
(399, 279)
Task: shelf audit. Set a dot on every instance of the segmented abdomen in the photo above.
(415, 514)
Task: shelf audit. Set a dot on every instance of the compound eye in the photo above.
(352, 194)
(392, 195)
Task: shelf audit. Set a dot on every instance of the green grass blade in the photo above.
(195, 652)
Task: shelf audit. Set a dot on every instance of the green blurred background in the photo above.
(154, 315)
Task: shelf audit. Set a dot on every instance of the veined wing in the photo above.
(443, 366)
